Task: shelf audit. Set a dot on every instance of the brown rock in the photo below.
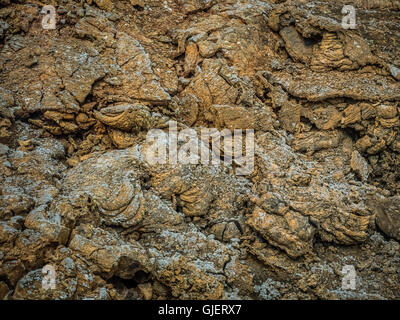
(3, 290)
(292, 232)
(359, 165)
(146, 290)
(388, 217)
(352, 114)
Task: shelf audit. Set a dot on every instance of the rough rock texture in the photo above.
(77, 193)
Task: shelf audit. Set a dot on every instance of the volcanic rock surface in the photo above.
(76, 191)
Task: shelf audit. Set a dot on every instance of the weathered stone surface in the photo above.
(292, 232)
(78, 194)
(387, 217)
(359, 165)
